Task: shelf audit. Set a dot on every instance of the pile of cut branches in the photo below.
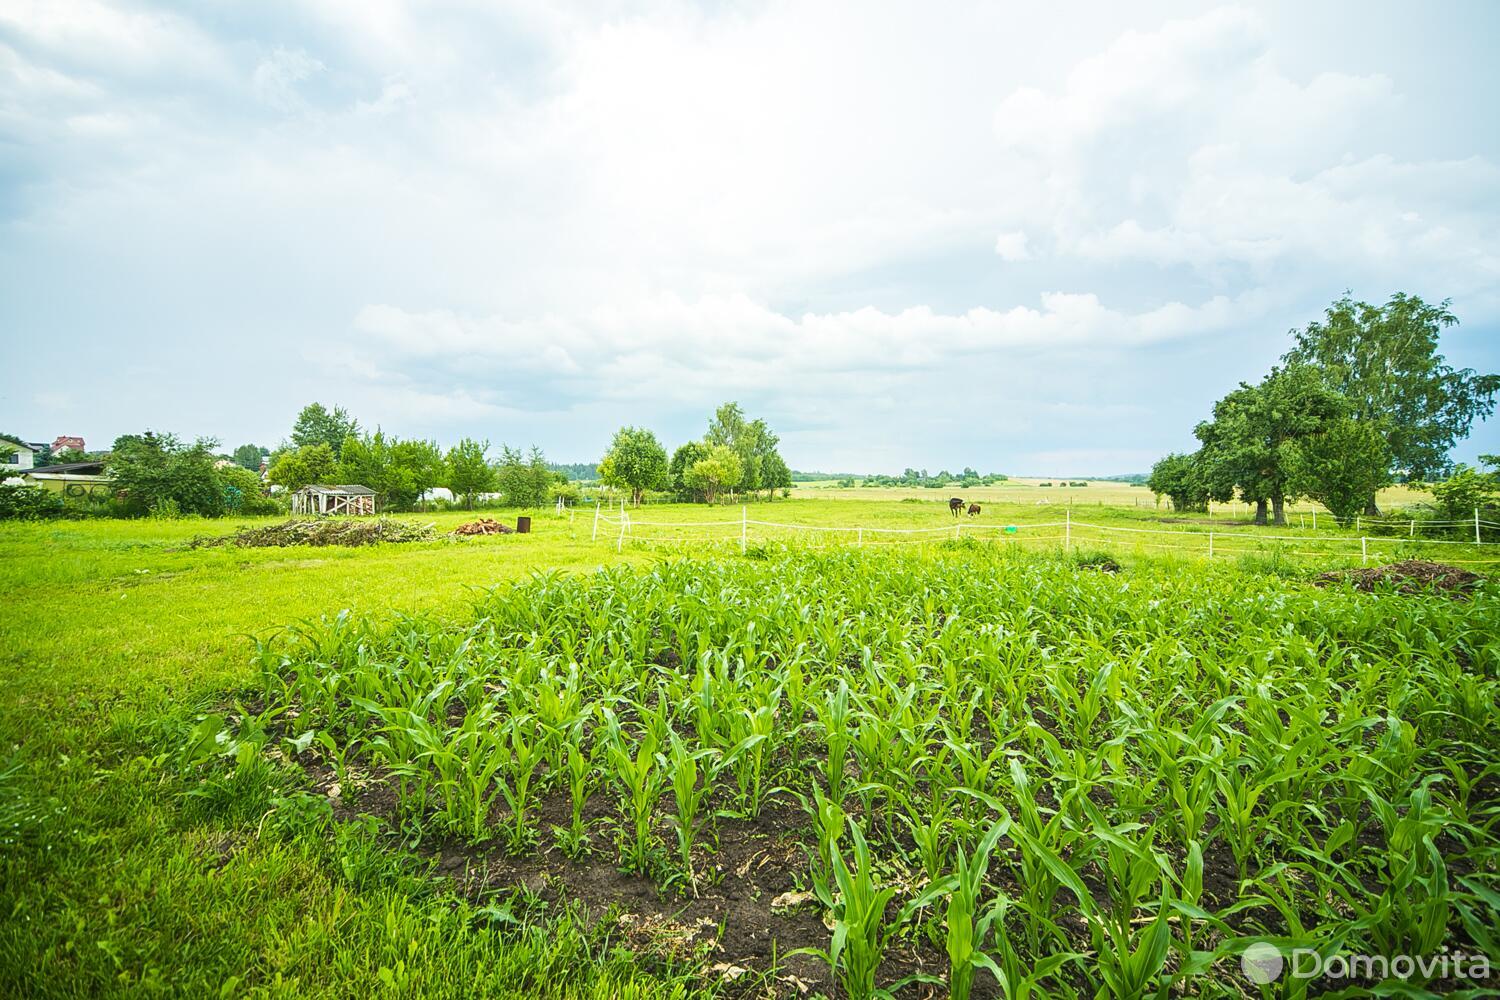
(1409, 577)
(483, 526)
(325, 531)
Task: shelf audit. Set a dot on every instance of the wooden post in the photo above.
(1412, 533)
(1068, 532)
(1476, 526)
(1315, 519)
(744, 529)
(1357, 519)
(859, 539)
(595, 536)
(1364, 553)
(620, 544)
(1210, 545)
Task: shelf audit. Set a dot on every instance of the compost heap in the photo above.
(1409, 577)
(328, 531)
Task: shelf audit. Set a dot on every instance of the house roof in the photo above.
(348, 490)
(17, 442)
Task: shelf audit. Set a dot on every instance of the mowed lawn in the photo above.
(117, 636)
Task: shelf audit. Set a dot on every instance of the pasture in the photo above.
(656, 767)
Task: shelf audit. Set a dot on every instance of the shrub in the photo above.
(29, 503)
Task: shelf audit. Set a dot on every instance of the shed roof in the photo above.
(79, 468)
(347, 490)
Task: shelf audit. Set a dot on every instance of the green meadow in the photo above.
(147, 851)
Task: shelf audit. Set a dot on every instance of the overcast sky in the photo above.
(927, 235)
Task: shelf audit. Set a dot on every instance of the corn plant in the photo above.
(639, 781)
(688, 793)
(860, 931)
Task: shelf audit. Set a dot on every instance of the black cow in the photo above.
(955, 505)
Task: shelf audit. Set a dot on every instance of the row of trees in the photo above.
(1362, 399)
(919, 477)
(736, 454)
(327, 446)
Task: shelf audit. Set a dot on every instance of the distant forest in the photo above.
(579, 472)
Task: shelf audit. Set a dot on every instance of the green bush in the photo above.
(29, 503)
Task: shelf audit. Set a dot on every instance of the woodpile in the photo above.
(483, 526)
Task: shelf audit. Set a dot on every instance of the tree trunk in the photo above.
(1372, 509)
(1278, 510)
(1260, 510)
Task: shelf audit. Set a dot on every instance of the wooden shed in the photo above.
(348, 499)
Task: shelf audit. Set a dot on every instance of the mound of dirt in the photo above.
(1410, 577)
(483, 526)
(329, 531)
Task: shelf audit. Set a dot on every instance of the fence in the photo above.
(622, 527)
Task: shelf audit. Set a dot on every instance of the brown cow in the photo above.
(973, 510)
(955, 505)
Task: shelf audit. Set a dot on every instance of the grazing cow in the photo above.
(973, 510)
(955, 504)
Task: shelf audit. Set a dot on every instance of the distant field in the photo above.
(1029, 491)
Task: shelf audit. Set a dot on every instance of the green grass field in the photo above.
(136, 866)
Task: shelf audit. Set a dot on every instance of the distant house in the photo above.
(16, 455)
(65, 442)
(319, 499)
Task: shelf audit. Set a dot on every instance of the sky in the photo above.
(1019, 237)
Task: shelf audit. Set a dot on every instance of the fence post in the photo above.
(1413, 532)
(860, 537)
(744, 529)
(1364, 553)
(1476, 526)
(1315, 519)
(1356, 521)
(595, 536)
(620, 543)
(1068, 532)
(956, 529)
(1210, 545)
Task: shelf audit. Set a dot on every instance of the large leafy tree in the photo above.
(719, 470)
(524, 478)
(1341, 466)
(299, 467)
(158, 472)
(248, 456)
(1384, 360)
(683, 459)
(774, 474)
(317, 424)
(1180, 478)
(1248, 443)
(469, 470)
(635, 461)
(399, 471)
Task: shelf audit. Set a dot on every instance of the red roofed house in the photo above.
(66, 443)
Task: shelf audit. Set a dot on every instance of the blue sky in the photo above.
(906, 235)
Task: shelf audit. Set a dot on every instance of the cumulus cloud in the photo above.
(906, 238)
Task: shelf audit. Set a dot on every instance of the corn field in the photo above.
(1057, 782)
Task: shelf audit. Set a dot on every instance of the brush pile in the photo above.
(483, 526)
(327, 531)
(1409, 577)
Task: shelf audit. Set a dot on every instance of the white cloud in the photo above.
(277, 76)
(1012, 246)
(876, 222)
